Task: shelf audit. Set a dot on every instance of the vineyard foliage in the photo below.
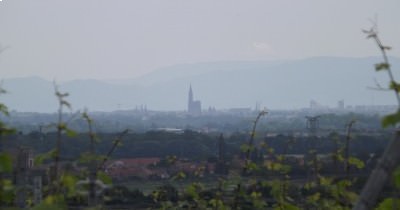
(265, 178)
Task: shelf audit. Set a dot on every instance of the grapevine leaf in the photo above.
(5, 163)
(382, 66)
(70, 133)
(104, 177)
(356, 162)
(396, 175)
(391, 119)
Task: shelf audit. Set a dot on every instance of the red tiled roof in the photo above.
(131, 167)
(134, 162)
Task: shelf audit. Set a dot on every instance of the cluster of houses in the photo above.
(152, 168)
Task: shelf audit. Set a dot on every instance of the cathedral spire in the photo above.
(194, 107)
(190, 102)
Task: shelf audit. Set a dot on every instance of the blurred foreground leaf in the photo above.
(5, 163)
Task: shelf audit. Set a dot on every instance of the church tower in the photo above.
(194, 107)
(190, 102)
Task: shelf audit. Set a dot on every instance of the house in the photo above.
(131, 167)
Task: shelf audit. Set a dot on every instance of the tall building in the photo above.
(194, 107)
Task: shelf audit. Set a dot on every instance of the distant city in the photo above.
(194, 108)
(143, 119)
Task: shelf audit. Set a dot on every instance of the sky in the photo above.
(119, 39)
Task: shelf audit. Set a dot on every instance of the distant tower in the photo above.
(194, 107)
(190, 102)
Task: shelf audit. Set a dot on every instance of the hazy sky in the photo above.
(111, 39)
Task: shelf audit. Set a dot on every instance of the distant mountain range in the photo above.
(231, 84)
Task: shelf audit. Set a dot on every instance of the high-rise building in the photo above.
(194, 107)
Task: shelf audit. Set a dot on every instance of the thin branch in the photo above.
(347, 147)
(391, 156)
(251, 140)
(373, 33)
(116, 142)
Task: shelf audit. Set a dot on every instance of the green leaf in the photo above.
(279, 158)
(70, 133)
(246, 147)
(386, 47)
(394, 86)
(356, 162)
(6, 191)
(256, 194)
(396, 175)
(171, 159)
(288, 206)
(87, 118)
(62, 126)
(274, 166)
(61, 95)
(194, 189)
(45, 206)
(216, 203)
(66, 103)
(382, 66)
(325, 181)
(386, 204)
(313, 198)
(391, 119)
(69, 181)
(104, 178)
(5, 163)
(276, 189)
(251, 166)
(4, 130)
(54, 202)
(180, 175)
(4, 109)
(44, 156)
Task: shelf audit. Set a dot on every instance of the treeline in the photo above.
(194, 145)
(276, 121)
